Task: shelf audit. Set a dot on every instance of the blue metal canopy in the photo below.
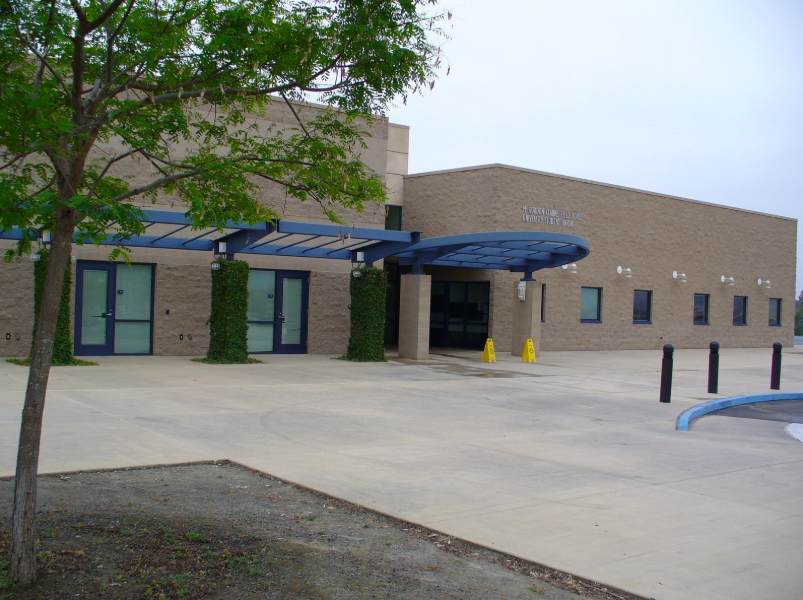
(517, 251)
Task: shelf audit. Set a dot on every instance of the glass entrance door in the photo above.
(113, 309)
(458, 315)
(277, 311)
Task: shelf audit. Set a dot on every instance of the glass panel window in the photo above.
(543, 303)
(133, 298)
(132, 337)
(260, 337)
(701, 309)
(590, 305)
(642, 306)
(292, 290)
(740, 310)
(775, 312)
(261, 295)
(93, 306)
(393, 217)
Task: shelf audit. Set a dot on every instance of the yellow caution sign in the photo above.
(488, 355)
(529, 352)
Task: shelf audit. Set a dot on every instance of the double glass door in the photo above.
(113, 309)
(459, 314)
(277, 311)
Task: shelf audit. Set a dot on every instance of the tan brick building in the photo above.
(300, 304)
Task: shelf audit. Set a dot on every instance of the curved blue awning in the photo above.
(517, 251)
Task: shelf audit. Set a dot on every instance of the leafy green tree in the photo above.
(88, 85)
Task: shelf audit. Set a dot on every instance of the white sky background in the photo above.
(695, 98)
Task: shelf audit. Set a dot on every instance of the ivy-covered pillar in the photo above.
(62, 342)
(369, 288)
(228, 320)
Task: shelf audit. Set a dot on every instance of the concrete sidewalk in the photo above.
(571, 462)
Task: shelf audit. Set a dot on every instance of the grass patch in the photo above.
(76, 362)
(250, 361)
(5, 583)
(196, 536)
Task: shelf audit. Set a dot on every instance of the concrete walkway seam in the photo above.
(685, 419)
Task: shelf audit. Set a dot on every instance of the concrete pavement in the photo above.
(571, 462)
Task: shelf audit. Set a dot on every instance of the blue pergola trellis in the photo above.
(516, 251)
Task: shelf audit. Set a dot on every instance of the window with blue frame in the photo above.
(740, 310)
(775, 312)
(642, 306)
(701, 309)
(591, 305)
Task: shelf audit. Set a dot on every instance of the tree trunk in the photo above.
(22, 567)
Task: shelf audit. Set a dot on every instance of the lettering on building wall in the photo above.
(548, 216)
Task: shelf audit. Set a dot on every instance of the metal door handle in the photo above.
(106, 315)
(281, 316)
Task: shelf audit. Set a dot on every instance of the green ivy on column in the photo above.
(228, 321)
(62, 343)
(368, 292)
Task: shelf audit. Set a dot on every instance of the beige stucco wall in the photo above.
(16, 307)
(651, 234)
(329, 318)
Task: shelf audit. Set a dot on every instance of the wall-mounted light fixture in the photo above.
(727, 280)
(626, 272)
(681, 277)
(47, 237)
(220, 247)
(572, 268)
(357, 260)
(765, 283)
(216, 266)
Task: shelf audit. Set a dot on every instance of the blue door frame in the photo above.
(107, 347)
(280, 346)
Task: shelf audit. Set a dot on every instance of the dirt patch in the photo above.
(222, 531)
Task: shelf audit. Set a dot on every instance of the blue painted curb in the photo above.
(685, 419)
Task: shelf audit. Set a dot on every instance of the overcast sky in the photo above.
(695, 98)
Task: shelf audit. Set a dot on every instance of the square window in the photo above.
(393, 217)
(740, 310)
(701, 309)
(591, 305)
(642, 306)
(775, 312)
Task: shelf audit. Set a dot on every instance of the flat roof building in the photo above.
(661, 269)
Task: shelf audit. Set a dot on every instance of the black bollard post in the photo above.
(666, 373)
(713, 368)
(775, 377)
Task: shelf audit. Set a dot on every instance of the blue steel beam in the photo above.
(360, 233)
(238, 241)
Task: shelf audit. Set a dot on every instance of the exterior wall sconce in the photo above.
(216, 266)
(728, 280)
(357, 261)
(681, 277)
(572, 268)
(47, 237)
(627, 272)
(765, 283)
(221, 248)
